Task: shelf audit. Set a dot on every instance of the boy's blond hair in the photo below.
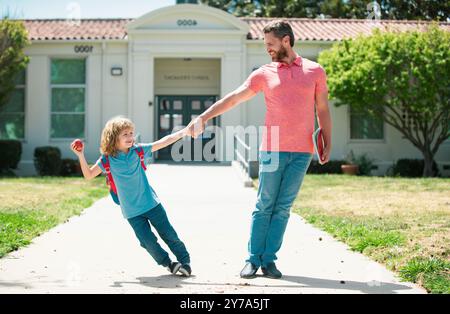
(110, 134)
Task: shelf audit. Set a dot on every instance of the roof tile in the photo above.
(304, 29)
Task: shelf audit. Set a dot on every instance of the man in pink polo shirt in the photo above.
(292, 86)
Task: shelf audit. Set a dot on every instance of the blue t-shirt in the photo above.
(136, 196)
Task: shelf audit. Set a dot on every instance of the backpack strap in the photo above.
(140, 152)
(107, 166)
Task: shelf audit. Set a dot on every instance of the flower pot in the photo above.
(350, 169)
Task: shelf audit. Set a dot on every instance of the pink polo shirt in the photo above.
(289, 93)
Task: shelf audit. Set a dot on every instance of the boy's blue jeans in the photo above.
(280, 177)
(157, 217)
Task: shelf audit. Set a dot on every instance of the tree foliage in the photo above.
(403, 78)
(438, 10)
(13, 40)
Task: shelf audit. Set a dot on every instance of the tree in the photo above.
(267, 8)
(402, 78)
(13, 40)
(350, 9)
(316, 9)
(289, 8)
(237, 7)
(438, 10)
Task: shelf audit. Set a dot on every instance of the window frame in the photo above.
(363, 140)
(51, 86)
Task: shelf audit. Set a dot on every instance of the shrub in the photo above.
(331, 167)
(70, 167)
(47, 161)
(10, 153)
(365, 164)
(411, 168)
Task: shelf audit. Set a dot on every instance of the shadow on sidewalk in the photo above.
(365, 287)
(164, 281)
(4, 284)
(304, 283)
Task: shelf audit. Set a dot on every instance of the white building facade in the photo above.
(161, 70)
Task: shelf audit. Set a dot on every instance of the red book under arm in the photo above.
(318, 143)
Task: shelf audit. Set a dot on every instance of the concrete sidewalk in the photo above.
(97, 252)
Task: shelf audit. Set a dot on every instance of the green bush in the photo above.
(411, 168)
(365, 164)
(70, 167)
(10, 153)
(331, 167)
(47, 161)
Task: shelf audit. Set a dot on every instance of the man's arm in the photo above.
(241, 94)
(324, 119)
(169, 139)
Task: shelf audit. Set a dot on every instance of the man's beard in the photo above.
(280, 55)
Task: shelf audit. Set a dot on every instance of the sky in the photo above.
(47, 9)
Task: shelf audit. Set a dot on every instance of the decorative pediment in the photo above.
(188, 17)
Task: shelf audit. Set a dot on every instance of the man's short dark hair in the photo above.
(280, 29)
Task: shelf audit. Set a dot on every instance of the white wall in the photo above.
(106, 96)
(115, 88)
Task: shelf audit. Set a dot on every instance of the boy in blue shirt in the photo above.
(139, 203)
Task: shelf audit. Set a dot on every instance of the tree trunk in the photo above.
(428, 159)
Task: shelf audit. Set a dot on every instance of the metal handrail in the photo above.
(243, 157)
(242, 142)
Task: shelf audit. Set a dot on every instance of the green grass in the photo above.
(432, 273)
(403, 223)
(360, 234)
(17, 229)
(31, 206)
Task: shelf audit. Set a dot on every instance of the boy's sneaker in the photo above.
(185, 270)
(249, 271)
(174, 267)
(271, 271)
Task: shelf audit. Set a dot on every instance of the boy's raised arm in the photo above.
(169, 139)
(88, 173)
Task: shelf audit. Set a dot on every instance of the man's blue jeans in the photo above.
(157, 217)
(280, 177)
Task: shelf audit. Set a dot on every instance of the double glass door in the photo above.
(175, 112)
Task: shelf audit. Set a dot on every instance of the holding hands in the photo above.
(196, 127)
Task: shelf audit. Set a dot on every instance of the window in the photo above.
(12, 115)
(365, 127)
(68, 86)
